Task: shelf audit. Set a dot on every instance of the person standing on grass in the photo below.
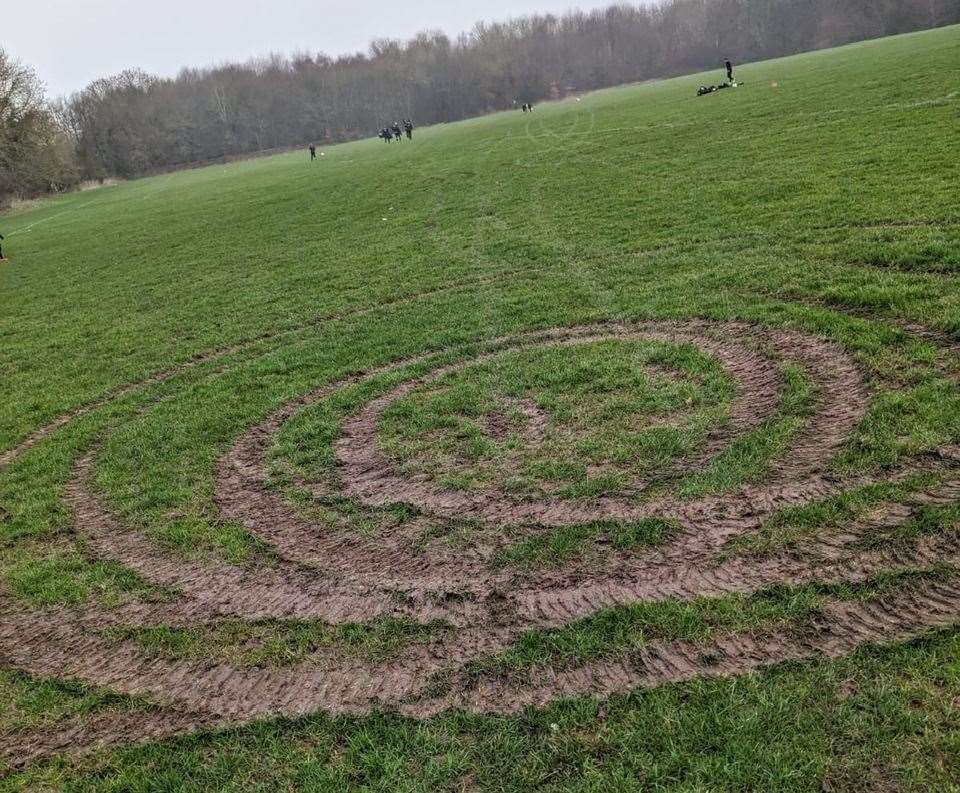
(1, 249)
(408, 127)
(396, 132)
(313, 152)
(729, 70)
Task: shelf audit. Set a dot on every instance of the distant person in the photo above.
(396, 132)
(729, 70)
(529, 107)
(408, 128)
(2, 258)
(386, 135)
(313, 152)
(523, 107)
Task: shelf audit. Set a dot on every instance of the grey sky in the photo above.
(71, 42)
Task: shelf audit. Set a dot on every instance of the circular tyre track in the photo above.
(344, 577)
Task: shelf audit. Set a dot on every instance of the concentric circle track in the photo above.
(338, 576)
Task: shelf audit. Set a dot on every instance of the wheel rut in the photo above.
(336, 576)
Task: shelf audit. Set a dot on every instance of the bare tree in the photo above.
(35, 154)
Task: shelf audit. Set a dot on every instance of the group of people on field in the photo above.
(396, 132)
(388, 134)
(730, 83)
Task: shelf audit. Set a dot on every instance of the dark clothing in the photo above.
(729, 71)
(709, 89)
(408, 127)
(396, 131)
(1, 247)
(313, 152)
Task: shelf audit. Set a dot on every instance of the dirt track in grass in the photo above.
(341, 577)
(35, 437)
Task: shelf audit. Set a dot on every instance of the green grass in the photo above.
(827, 204)
(617, 631)
(614, 632)
(30, 704)
(928, 520)
(556, 547)
(602, 410)
(66, 576)
(274, 643)
(788, 527)
(748, 457)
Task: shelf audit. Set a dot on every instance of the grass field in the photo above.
(614, 446)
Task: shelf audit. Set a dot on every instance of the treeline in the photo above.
(134, 123)
(36, 155)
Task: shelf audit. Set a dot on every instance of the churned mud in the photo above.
(338, 576)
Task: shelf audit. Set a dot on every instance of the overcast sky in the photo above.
(71, 42)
